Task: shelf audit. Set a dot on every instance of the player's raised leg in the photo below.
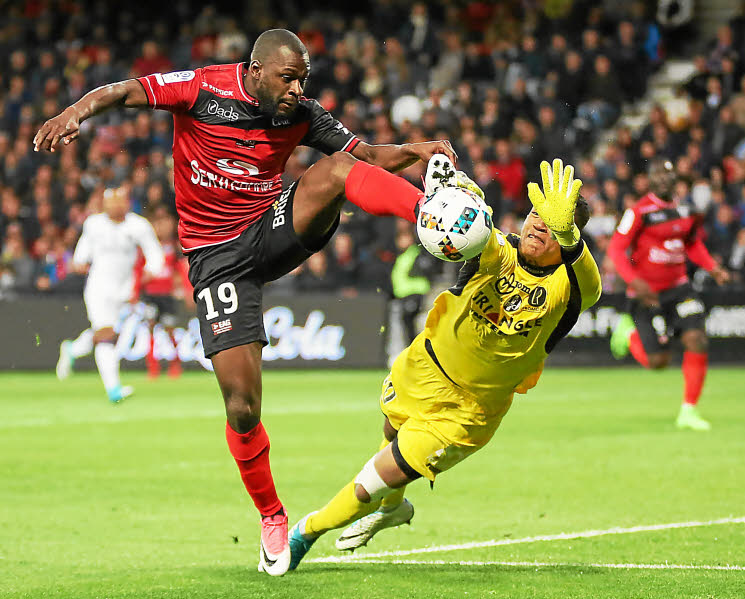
(325, 186)
(322, 190)
(695, 365)
(238, 371)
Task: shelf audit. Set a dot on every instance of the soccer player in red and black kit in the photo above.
(660, 234)
(235, 127)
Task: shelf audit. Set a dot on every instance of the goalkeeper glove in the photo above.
(465, 182)
(556, 204)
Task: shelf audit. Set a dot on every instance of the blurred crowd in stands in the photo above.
(509, 83)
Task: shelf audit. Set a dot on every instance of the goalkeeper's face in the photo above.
(537, 245)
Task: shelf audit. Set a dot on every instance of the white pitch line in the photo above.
(440, 562)
(564, 536)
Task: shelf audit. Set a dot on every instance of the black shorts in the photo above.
(161, 308)
(680, 309)
(228, 278)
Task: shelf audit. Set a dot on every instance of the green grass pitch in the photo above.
(143, 500)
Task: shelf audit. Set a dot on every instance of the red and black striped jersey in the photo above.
(653, 240)
(228, 155)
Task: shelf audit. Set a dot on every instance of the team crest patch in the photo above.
(465, 220)
(449, 250)
(429, 221)
(222, 326)
(513, 304)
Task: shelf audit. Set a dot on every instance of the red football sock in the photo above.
(637, 349)
(251, 453)
(694, 374)
(153, 365)
(381, 193)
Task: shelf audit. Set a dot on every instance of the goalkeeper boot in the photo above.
(364, 529)
(440, 173)
(300, 543)
(274, 554)
(619, 339)
(689, 418)
(66, 360)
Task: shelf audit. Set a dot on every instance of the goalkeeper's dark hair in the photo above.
(581, 213)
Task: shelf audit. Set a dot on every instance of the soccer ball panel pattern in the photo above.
(454, 224)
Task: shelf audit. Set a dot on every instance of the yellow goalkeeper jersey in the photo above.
(491, 332)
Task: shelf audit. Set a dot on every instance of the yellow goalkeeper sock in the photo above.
(343, 509)
(392, 501)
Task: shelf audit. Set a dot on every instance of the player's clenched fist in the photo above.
(556, 204)
(64, 127)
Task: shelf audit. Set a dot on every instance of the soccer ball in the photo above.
(454, 224)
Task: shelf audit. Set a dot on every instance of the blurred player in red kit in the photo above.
(235, 126)
(163, 293)
(649, 249)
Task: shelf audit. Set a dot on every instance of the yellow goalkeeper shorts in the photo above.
(439, 424)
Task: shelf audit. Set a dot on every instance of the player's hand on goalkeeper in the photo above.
(556, 203)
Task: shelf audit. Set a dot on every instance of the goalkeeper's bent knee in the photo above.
(370, 480)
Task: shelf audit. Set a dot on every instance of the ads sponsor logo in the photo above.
(280, 207)
(135, 338)
(312, 341)
(237, 167)
(726, 321)
(205, 178)
(214, 108)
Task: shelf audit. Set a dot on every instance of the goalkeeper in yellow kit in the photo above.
(484, 339)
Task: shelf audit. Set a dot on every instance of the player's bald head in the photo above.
(271, 41)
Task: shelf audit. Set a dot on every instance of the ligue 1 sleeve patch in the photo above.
(174, 77)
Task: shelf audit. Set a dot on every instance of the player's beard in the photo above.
(268, 104)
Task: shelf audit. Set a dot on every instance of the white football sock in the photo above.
(83, 345)
(107, 361)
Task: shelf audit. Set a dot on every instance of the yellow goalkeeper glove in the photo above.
(556, 204)
(465, 182)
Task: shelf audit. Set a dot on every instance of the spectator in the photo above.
(604, 95)
(509, 170)
(150, 61)
(572, 81)
(630, 62)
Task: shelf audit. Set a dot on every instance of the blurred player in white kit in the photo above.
(107, 251)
